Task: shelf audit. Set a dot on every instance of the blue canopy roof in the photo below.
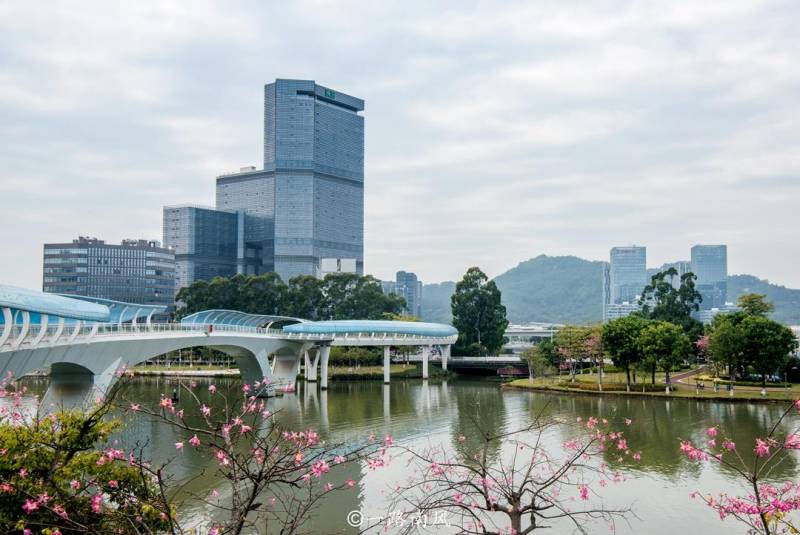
(51, 304)
(120, 311)
(413, 328)
(236, 318)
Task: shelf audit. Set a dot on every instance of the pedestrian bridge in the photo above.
(83, 342)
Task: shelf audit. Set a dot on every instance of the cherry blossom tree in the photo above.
(766, 504)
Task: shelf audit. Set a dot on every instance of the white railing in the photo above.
(55, 334)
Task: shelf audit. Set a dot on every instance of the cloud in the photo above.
(495, 131)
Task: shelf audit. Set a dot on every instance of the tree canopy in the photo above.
(337, 296)
(478, 314)
(620, 338)
(661, 301)
(754, 304)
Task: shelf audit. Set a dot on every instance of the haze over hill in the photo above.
(568, 289)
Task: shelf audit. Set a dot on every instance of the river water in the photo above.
(420, 415)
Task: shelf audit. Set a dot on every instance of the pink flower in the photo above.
(729, 445)
(212, 388)
(350, 483)
(338, 459)
(23, 473)
(459, 497)
(30, 506)
(245, 388)
(583, 490)
(215, 493)
(461, 438)
(245, 429)
(328, 487)
(266, 414)
(388, 440)
(320, 467)
(97, 501)
(113, 483)
(135, 407)
(792, 442)
(711, 432)
(762, 448)
(206, 411)
(179, 445)
(194, 441)
(622, 444)
(628, 421)
(637, 456)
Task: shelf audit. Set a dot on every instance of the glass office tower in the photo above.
(710, 265)
(314, 143)
(206, 242)
(135, 271)
(627, 273)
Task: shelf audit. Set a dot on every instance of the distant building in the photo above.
(621, 310)
(681, 266)
(522, 337)
(707, 315)
(624, 278)
(409, 287)
(796, 330)
(710, 265)
(314, 145)
(336, 265)
(135, 271)
(206, 242)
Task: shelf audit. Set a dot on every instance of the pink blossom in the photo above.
(215, 493)
(23, 473)
(135, 407)
(338, 459)
(628, 421)
(212, 388)
(266, 414)
(583, 490)
(320, 467)
(30, 506)
(729, 445)
(350, 483)
(113, 483)
(792, 442)
(328, 487)
(461, 438)
(388, 440)
(97, 501)
(711, 432)
(179, 445)
(762, 448)
(245, 428)
(206, 411)
(637, 456)
(622, 444)
(245, 388)
(459, 497)
(194, 441)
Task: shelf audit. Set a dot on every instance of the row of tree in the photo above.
(337, 296)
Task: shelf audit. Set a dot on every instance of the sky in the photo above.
(495, 131)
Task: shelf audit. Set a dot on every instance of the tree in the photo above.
(661, 301)
(665, 345)
(767, 344)
(571, 345)
(306, 297)
(538, 361)
(263, 294)
(478, 314)
(754, 304)
(351, 296)
(621, 340)
(725, 342)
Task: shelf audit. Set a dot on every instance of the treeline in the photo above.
(664, 335)
(338, 296)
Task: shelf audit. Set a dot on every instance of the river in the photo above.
(419, 414)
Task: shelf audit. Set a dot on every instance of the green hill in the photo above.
(568, 289)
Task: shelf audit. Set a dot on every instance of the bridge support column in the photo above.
(445, 356)
(387, 364)
(426, 352)
(312, 364)
(324, 354)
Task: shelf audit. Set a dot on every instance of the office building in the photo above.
(624, 278)
(710, 265)
(336, 265)
(251, 192)
(206, 242)
(305, 205)
(681, 266)
(135, 271)
(409, 287)
(314, 144)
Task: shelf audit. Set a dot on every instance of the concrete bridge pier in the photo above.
(311, 364)
(74, 386)
(445, 355)
(426, 353)
(387, 363)
(324, 355)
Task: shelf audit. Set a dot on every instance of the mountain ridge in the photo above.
(568, 289)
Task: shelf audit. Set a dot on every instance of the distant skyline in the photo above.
(495, 133)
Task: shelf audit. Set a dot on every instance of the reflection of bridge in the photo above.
(474, 363)
(84, 341)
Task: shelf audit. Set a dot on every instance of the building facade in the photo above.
(314, 144)
(135, 271)
(206, 242)
(409, 287)
(624, 278)
(710, 265)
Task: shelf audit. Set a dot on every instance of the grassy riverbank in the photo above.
(587, 385)
(335, 373)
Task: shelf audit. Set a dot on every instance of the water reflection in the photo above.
(419, 413)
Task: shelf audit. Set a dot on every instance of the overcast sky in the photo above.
(495, 131)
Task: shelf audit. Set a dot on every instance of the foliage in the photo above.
(478, 315)
(355, 356)
(767, 344)
(665, 345)
(572, 343)
(620, 339)
(60, 473)
(538, 362)
(765, 506)
(663, 302)
(337, 296)
(785, 300)
(754, 304)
